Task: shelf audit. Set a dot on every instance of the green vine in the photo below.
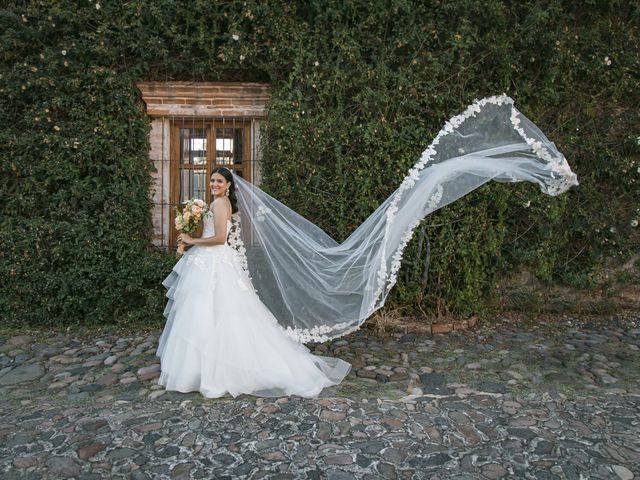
(359, 90)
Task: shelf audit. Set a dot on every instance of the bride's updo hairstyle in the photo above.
(226, 173)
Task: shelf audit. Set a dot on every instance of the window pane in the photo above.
(193, 184)
(224, 146)
(229, 144)
(193, 146)
(238, 144)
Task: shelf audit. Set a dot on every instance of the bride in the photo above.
(220, 338)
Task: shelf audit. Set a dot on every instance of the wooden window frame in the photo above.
(211, 125)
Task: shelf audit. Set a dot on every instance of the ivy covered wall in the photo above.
(359, 90)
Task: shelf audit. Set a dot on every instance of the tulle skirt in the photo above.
(220, 339)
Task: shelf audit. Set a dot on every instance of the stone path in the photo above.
(559, 400)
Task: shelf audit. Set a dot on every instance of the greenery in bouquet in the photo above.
(188, 220)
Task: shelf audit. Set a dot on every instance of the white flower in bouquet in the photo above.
(188, 220)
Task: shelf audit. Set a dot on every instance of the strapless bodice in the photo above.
(208, 224)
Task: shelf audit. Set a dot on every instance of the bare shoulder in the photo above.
(221, 201)
(222, 205)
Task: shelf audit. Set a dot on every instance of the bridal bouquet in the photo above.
(187, 221)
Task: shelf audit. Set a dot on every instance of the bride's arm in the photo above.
(221, 210)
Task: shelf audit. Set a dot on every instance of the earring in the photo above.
(227, 192)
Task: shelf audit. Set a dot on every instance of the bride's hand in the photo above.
(185, 238)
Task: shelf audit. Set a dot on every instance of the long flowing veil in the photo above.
(319, 289)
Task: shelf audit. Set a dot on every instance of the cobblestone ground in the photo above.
(557, 401)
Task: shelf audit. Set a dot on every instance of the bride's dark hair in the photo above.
(226, 173)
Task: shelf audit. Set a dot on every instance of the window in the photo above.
(195, 128)
(200, 147)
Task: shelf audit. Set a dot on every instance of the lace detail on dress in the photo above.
(234, 239)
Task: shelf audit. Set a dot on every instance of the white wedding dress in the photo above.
(220, 339)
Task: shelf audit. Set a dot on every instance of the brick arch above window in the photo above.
(205, 99)
(196, 126)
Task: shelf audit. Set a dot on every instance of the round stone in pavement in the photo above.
(120, 454)
(339, 475)
(494, 471)
(433, 379)
(181, 471)
(22, 373)
(63, 466)
(387, 470)
(493, 387)
(370, 446)
(435, 383)
(88, 451)
(623, 472)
